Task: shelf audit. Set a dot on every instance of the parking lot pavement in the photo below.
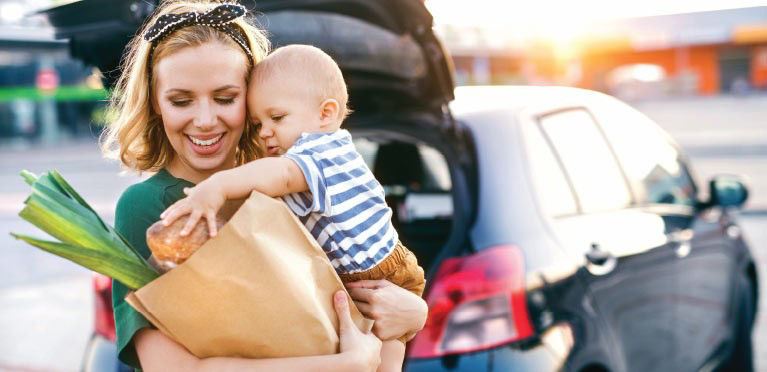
(46, 324)
(46, 307)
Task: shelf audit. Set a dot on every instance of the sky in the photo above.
(560, 21)
(553, 13)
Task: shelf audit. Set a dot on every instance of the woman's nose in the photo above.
(206, 115)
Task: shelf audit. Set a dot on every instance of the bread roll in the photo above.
(169, 248)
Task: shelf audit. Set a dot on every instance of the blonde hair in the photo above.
(318, 72)
(136, 137)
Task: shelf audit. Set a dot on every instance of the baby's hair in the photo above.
(311, 65)
(136, 135)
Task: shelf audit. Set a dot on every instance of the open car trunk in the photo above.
(386, 48)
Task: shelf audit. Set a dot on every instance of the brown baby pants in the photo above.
(400, 268)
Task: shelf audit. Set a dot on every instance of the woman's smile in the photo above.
(205, 144)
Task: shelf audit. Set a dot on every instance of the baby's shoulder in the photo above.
(318, 143)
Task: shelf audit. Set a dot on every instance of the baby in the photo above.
(297, 98)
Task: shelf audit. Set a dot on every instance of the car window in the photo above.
(416, 166)
(652, 164)
(587, 159)
(554, 193)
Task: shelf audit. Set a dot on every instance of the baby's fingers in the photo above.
(173, 213)
(212, 228)
(191, 223)
(166, 211)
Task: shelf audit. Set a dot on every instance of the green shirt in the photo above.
(139, 207)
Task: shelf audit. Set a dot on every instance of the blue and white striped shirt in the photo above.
(344, 208)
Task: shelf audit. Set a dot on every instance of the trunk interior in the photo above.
(418, 177)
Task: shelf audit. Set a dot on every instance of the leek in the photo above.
(84, 238)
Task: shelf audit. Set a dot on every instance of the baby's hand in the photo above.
(203, 200)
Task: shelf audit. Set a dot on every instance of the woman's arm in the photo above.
(396, 311)
(359, 352)
(157, 352)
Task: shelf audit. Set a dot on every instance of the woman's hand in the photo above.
(396, 311)
(364, 349)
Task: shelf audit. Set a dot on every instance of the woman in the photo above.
(180, 108)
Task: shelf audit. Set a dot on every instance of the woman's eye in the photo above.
(225, 101)
(277, 118)
(180, 103)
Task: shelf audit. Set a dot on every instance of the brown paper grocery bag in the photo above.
(261, 288)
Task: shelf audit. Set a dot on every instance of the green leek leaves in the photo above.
(56, 208)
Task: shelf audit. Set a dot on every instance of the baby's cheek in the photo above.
(237, 116)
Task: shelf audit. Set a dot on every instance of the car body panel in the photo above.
(101, 356)
(538, 358)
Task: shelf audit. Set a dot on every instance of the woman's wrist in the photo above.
(421, 316)
(350, 361)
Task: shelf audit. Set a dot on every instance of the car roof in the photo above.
(474, 99)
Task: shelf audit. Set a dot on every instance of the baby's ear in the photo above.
(329, 109)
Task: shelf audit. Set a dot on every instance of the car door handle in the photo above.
(680, 236)
(599, 261)
(597, 256)
(681, 242)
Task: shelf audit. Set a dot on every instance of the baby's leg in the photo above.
(392, 356)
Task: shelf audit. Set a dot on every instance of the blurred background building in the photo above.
(701, 53)
(44, 94)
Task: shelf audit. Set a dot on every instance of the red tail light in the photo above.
(475, 302)
(104, 321)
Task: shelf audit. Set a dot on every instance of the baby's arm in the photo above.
(270, 176)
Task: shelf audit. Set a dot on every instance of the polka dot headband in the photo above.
(220, 18)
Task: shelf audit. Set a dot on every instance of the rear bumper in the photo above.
(505, 358)
(101, 355)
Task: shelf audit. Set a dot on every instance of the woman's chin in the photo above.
(207, 165)
(213, 162)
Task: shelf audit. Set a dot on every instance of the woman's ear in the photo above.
(329, 109)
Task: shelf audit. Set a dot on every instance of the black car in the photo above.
(560, 229)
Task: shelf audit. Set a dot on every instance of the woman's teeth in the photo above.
(209, 142)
